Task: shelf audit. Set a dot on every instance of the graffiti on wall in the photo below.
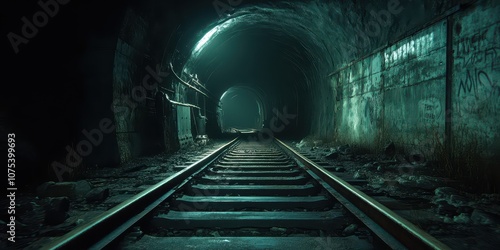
(430, 110)
(478, 92)
(478, 83)
(477, 49)
(477, 68)
(412, 47)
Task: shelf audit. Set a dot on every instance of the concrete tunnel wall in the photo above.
(420, 85)
(358, 79)
(398, 93)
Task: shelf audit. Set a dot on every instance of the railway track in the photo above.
(248, 195)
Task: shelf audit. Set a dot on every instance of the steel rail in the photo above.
(104, 229)
(409, 235)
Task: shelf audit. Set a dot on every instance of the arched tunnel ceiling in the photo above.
(292, 46)
(268, 44)
(286, 49)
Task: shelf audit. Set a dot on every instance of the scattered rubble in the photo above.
(278, 229)
(390, 149)
(55, 208)
(446, 209)
(339, 169)
(303, 144)
(445, 192)
(359, 175)
(483, 218)
(349, 230)
(344, 149)
(97, 195)
(420, 182)
(72, 190)
(333, 155)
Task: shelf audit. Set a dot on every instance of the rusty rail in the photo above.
(104, 229)
(397, 232)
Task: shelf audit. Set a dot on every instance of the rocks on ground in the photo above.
(71, 190)
(484, 218)
(97, 195)
(60, 206)
(390, 149)
(411, 176)
(56, 210)
(349, 230)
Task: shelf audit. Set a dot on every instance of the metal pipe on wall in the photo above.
(180, 103)
(187, 84)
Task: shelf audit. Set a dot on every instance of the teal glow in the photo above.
(211, 34)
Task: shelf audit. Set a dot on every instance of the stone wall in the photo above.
(139, 129)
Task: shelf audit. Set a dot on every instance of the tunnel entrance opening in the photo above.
(240, 110)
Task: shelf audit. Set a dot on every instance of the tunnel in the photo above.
(91, 85)
(240, 109)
